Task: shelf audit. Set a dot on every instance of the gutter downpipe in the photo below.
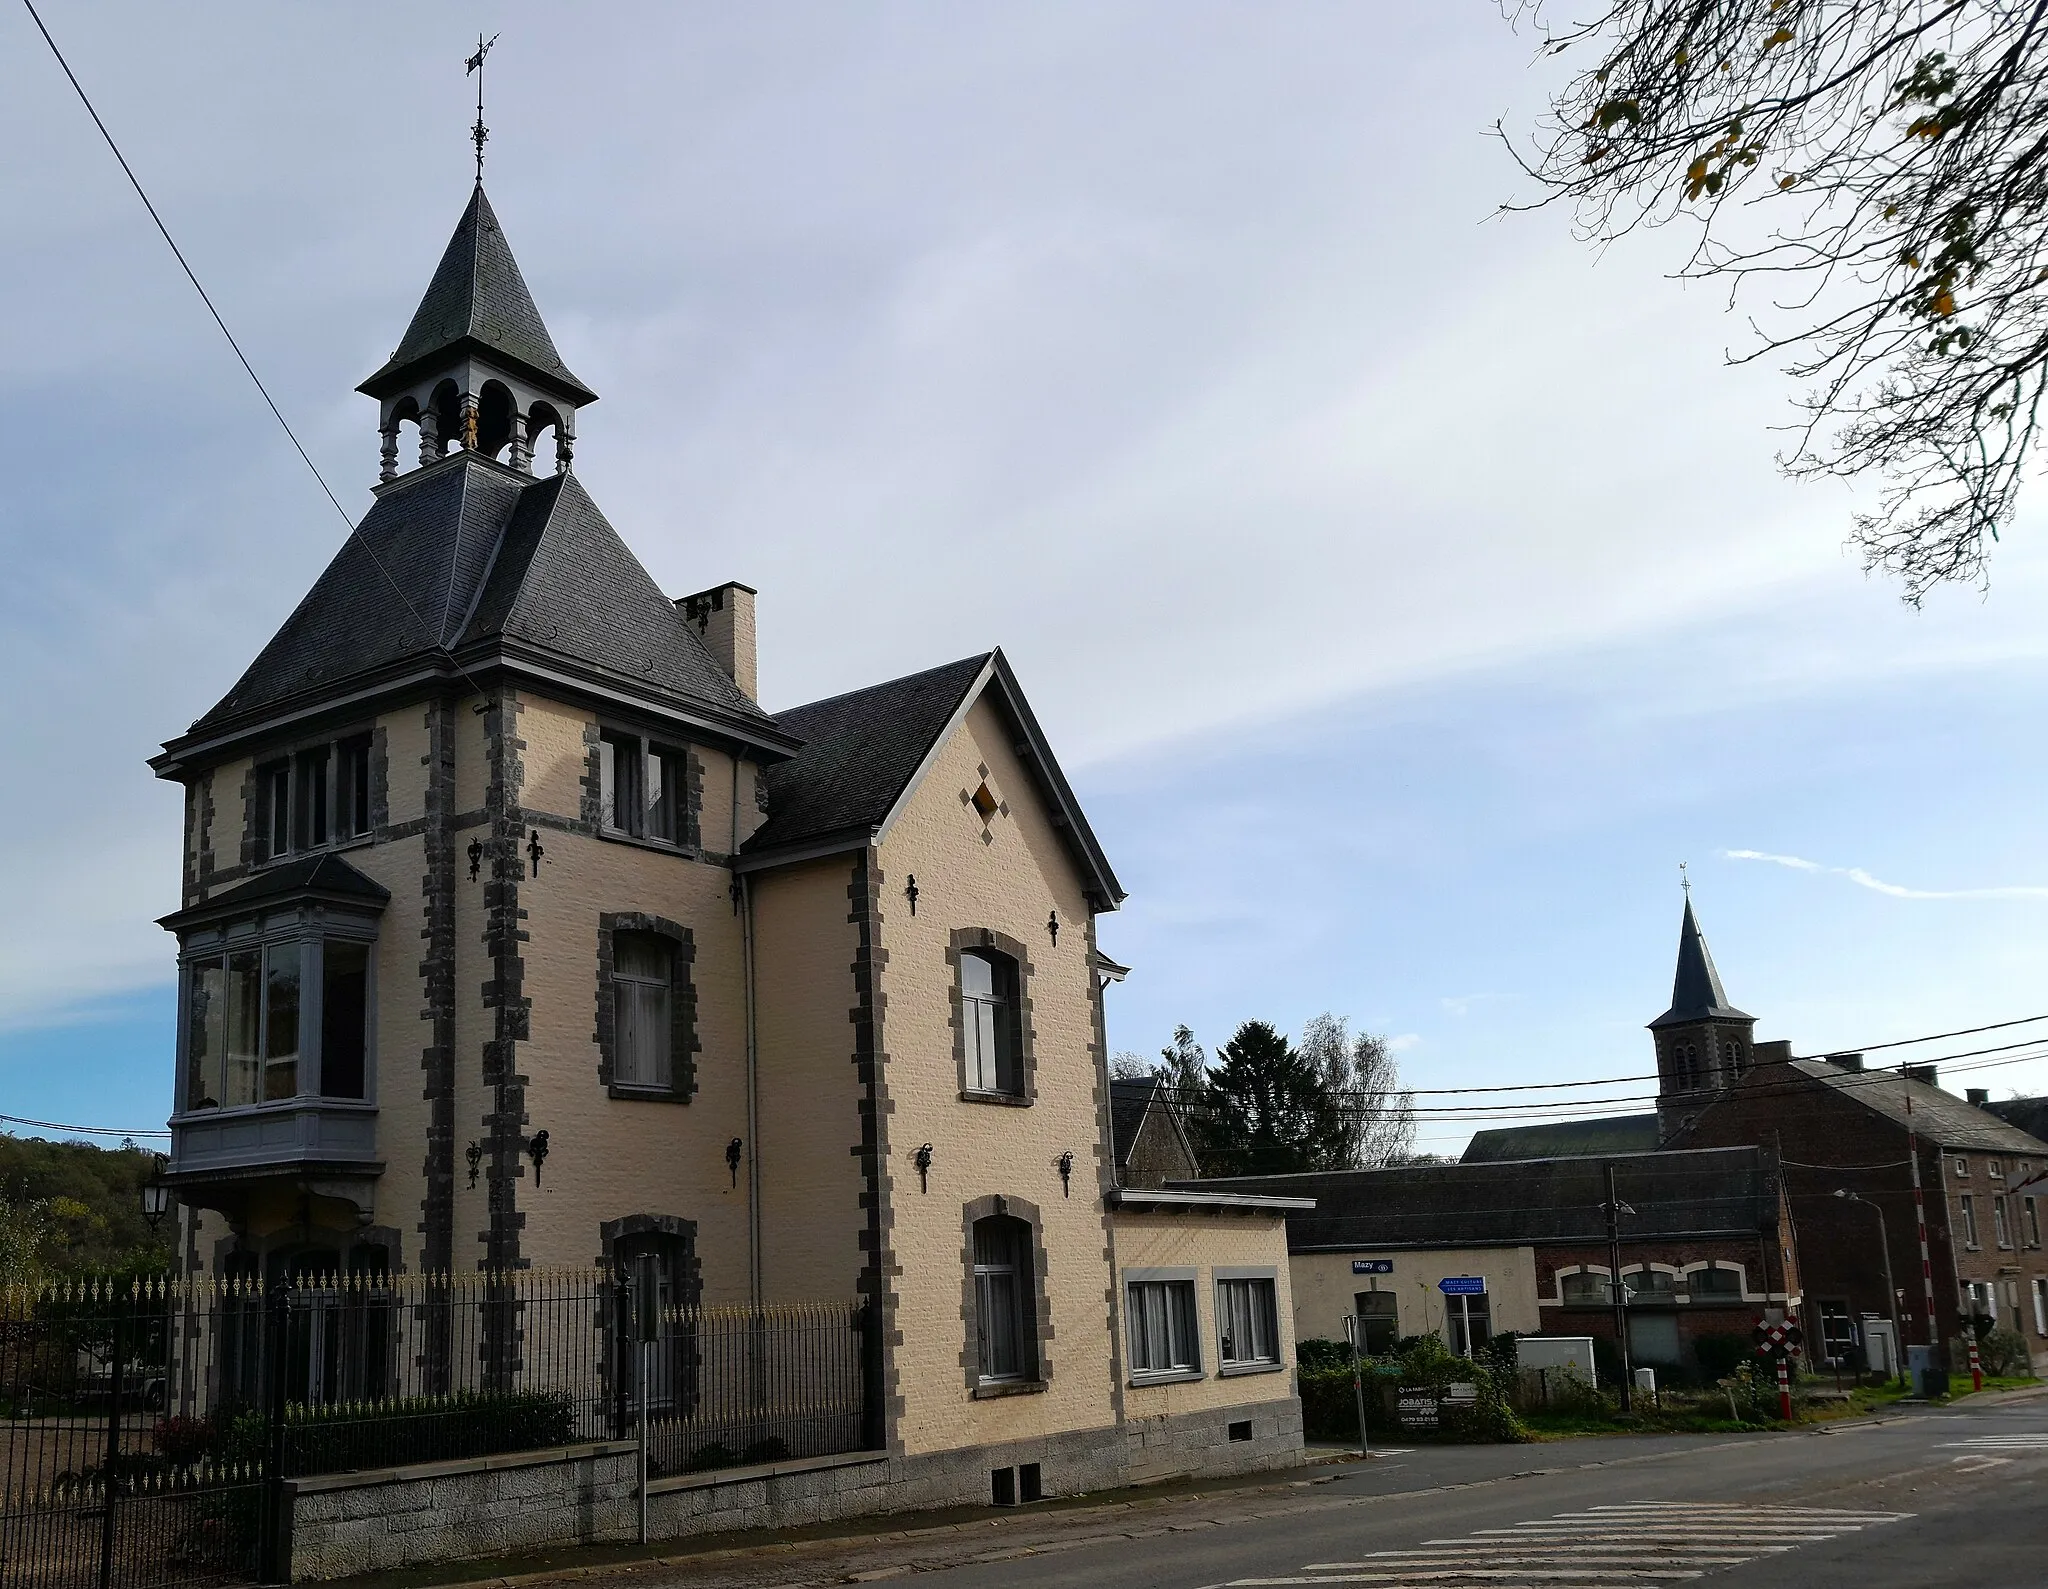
(745, 901)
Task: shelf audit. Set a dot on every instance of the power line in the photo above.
(436, 641)
(90, 1131)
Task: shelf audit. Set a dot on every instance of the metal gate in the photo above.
(111, 1472)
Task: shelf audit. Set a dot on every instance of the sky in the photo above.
(1407, 588)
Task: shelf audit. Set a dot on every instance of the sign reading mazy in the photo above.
(1462, 1285)
(1372, 1266)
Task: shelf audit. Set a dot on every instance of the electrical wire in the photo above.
(437, 642)
(90, 1131)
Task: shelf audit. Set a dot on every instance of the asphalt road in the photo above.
(1933, 1499)
(1926, 1498)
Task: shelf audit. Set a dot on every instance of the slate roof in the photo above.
(1564, 1139)
(486, 556)
(1696, 992)
(1699, 1193)
(327, 876)
(1940, 1117)
(1130, 1099)
(2028, 1114)
(861, 751)
(477, 300)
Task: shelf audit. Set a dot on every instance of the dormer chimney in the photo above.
(724, 616)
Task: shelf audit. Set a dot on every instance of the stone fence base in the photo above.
(348, 1523)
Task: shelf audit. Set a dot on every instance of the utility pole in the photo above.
(1617, 1290)
(1920, 1213)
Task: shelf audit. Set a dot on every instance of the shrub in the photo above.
(183, 1441)
(1311, 1355)
(470, 1423)
(1753, 1389)
(2003, 1352)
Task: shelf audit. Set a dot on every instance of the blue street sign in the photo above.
(1462, 1285)
(1372, 1266)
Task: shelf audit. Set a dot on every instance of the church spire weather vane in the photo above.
(479, 133)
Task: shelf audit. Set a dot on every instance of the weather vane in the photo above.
(480, 132)
(1684, 880)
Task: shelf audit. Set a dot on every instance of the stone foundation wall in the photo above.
(350, 1523)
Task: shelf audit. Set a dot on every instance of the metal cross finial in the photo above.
(479, 132)
(1684, 880)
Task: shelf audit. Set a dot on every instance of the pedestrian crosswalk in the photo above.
(1998, 1443)
(1603, 1547)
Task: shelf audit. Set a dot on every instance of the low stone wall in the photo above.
(349, 1523)
(1199, 1444)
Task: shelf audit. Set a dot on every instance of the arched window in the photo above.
(1584, 1290)
(643, 975)
(1716, 1282)
(1002, 1300)
(493, 418)
(1648, 1285)
(988, 1020)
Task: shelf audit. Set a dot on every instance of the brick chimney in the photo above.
(724, 616)
(1778, 1051)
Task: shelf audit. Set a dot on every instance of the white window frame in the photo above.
(1968, 1206)
(992, 1020)
(1259, 1290)
(1176, 1313)
(2001, 1225)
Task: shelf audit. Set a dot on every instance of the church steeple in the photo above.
(477, 368)
(1704, 1044)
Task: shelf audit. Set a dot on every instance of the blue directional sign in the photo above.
(1372, 1266)
(1462, 1285)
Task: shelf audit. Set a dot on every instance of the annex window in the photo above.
(643, 978)
(1992, 1169)
(1002, 1300)
(1969, 1204)
(2031, 1218)
(1999, 1229)
(1379, 1321)
(1470, 1322)
(1159, 1318)
(988, 1019)
(1962, 1168)
(1247, 1327)
(316, 797)
(644, 788)
(1716, 1283)
(1649, 1285)
(251, 1032)
(1584, 1290)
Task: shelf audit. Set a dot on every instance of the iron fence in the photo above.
(146, 1426)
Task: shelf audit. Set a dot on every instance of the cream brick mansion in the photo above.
(515, 932)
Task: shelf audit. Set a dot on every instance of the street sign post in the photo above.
(1462, 1285)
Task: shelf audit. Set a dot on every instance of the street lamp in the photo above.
(1891, 1293)
(156, 1196)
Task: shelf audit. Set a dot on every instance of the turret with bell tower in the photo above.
(477, 369)
(1704, 1044)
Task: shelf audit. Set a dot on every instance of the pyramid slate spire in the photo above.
(477, 302)
(1696, 992)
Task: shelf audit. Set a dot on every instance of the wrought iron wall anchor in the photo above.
(1066, 1162)
(474, 1154)
(732, 1160)
(537, 1150)
(910, 892)
(923, 1160)
(476, 858)
(1052, 925)
(535, 849)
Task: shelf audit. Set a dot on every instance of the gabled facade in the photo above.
(515, 933)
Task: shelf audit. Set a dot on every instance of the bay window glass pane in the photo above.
(245, 1026)
(206, 1036)
(281, 1021)
(344, 1017)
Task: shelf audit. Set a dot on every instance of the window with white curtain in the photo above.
(1247, 1326)
(1159, 1317)
(643, 977)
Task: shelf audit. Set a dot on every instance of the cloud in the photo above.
(1463, 1005)
(1878, 885)
(1401, 1042)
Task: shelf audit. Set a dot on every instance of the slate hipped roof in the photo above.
(1940, 1117)
(1696, 993)
(478, 301)
(469, 556)
(310, 877)
(1564, 1139)
(1703, 1192)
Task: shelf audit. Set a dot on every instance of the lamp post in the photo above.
(156, 1197)
(1891, 1294)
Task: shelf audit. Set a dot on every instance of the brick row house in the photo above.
(516, 933)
